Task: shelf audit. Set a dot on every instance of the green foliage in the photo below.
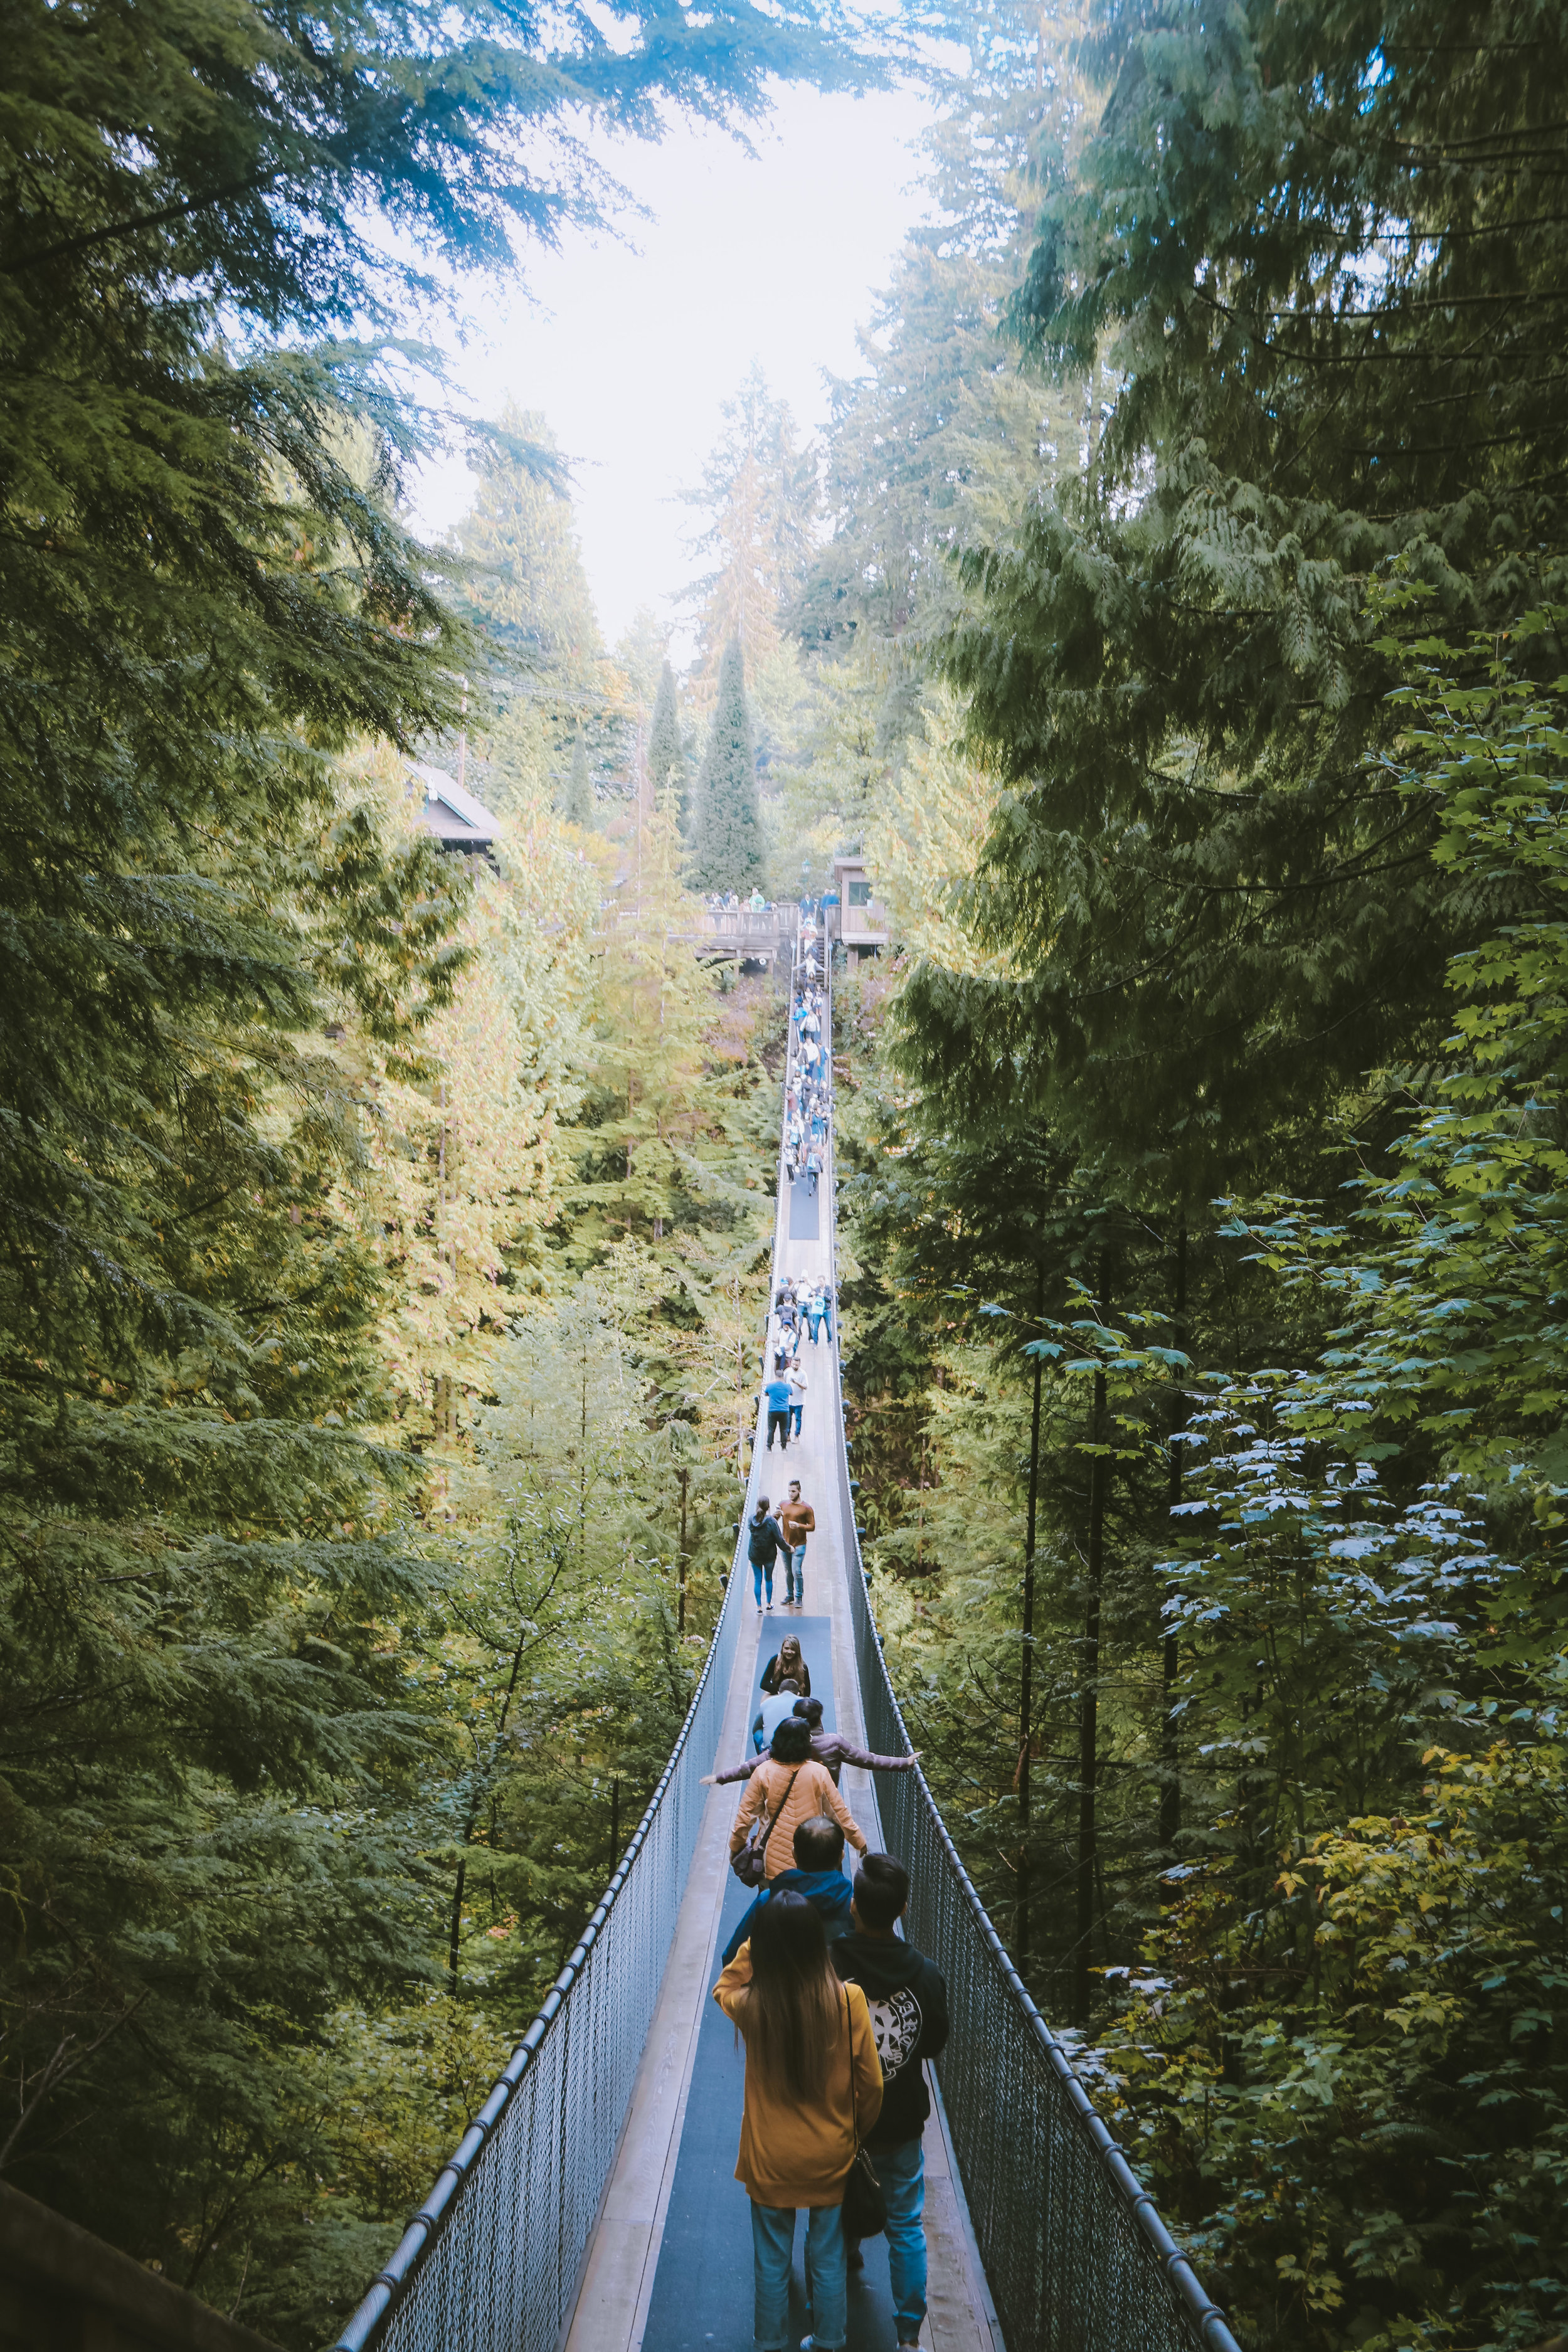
(1447, 1270)
(237, 153)
(1211, 914)
(208, 595)
(1319, 2050)
(1371, 2146)
(560, 1663)
(1267, 907)
(727, 852)
(227, 952)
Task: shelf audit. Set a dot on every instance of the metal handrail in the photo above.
(422, 2229)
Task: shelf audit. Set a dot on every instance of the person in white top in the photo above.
(797, 1396)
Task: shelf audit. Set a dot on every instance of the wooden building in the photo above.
(860, 921)
(457, 817)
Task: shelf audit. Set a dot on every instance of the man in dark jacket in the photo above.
(907, 2001)
(764, 1542)
(818, 1874)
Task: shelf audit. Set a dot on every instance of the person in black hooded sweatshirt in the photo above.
(907, 2001)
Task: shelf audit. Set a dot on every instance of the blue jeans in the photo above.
(795, 1411)
(758, 1573)
(773, 2246)
(795, 1573)
(902, 2173)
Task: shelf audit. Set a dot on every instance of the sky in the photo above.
(629, 349)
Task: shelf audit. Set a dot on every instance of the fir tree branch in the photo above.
(137, 222)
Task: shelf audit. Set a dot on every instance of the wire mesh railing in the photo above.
(494, 2259)
(1076, 2256)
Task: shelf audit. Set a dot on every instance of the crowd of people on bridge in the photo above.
(727, 902)
(839, 2013)
(809, 911)
(797, 1314)
(837, 2009)
(806, 1113)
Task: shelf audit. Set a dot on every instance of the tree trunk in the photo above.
(455, 1941)
(1027, 1664)
(1171, 1785)
(1089, 1704)
(456, 1944)
(681, 1593)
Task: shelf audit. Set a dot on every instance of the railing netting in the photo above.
(1076, 2257)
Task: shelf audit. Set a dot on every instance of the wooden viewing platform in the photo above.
(759, 934)
(732, 934)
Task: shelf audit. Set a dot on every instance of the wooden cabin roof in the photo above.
(457, 817)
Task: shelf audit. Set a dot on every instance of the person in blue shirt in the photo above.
(776, 1708)
(817, 1874)
(778, 1396)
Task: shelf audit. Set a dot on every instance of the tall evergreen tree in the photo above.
(526, 581)
(1319, 251)
(666, 753)
(946, 431)
(578, 805)
(525, 587)
(1217, 915)
(208, 596)
(729, 846)
(759, 491)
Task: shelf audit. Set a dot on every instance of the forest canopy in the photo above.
(1205, 1359)
(1171, 613)
(306, 1124)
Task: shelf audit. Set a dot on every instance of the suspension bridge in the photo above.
(592, 2206)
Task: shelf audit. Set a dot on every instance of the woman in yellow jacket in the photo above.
(788, 1787)
(814, 2083)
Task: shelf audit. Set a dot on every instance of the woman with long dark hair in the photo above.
(786, 1662)
(814, 2086)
